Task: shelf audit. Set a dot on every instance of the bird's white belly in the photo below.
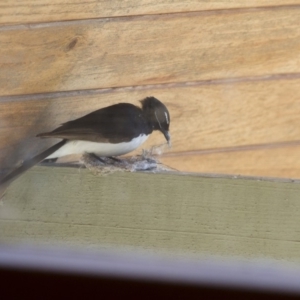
(100, 149)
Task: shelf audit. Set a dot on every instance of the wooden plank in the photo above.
(160, 213)
(31, 11)
(145, 50)
(224, 114)
(278, 161)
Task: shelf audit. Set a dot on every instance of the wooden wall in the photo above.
(229, 71)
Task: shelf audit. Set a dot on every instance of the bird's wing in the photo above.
(113, 124)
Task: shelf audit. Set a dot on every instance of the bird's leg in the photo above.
(115, 159)
(93, 155)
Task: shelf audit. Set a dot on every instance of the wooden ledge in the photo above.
(172, 213)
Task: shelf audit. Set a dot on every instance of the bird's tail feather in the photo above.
(29, 164)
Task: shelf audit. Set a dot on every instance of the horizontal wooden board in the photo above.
(143, 50)
(277, 161)
(31, 11)
(211, 116)
(188, 215)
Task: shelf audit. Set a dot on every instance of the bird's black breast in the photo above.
(114, 124)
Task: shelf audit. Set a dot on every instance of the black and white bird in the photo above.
(110, 131)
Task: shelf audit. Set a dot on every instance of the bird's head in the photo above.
(158, 116)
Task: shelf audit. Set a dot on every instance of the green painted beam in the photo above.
(163, 213)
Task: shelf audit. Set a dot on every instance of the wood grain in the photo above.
(143, 50)
(271, 161)
(31, 11)
(160, 213)
(227, 114)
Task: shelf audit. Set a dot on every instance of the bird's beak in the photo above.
(168, 137)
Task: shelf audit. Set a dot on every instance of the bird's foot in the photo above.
(96, 157)
(115, 159)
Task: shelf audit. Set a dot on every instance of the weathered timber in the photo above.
(170, 213)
